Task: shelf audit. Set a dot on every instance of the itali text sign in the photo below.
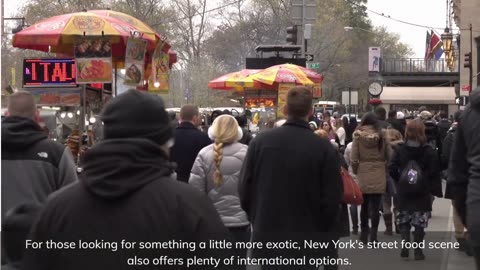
(49, 72)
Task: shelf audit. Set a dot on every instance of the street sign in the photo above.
(313, 65)
(350, 98)
(299, 6)
(309, 57)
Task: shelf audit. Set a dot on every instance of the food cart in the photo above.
(264, 91)
(90, 46)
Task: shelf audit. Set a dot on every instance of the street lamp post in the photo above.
(447, 39)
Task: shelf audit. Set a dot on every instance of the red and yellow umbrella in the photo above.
(58, 34)
(236, 80)
(287, 73)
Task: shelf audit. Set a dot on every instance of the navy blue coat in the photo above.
(188, 142)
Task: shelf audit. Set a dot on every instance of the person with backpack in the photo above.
(415, 168)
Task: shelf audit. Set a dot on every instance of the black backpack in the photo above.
(412, 179)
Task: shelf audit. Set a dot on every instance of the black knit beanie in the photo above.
(137, 114)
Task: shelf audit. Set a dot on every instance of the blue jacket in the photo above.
(188, 142)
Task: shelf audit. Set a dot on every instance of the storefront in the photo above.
(411, 98)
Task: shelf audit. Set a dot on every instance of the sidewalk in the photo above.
(439, 230)
(457, 260)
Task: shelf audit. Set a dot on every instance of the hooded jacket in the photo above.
(464, 167)
(225, 197)
(32, 166)
(368, 161)
(126, 191)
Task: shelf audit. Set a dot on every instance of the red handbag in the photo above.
(351, 191)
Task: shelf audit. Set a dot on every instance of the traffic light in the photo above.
(468, 60)
(292, 34)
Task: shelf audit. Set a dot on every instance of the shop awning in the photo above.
(418, 95)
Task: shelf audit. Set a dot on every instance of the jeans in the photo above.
(354, 216)
(370, 210)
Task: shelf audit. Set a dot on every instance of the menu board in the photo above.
(282, 98)
(317, 90)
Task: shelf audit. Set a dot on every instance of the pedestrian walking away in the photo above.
(189, 140)
(369, 158)
(394, 138)
(414, 167)
(126, 191)
(33, 166)
(463, 177)
(313, 188)
(216, 173)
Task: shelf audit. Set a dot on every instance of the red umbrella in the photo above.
(236, 80)
(288, 73)
(58, 34)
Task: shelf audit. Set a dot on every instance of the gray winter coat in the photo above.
(224, 197)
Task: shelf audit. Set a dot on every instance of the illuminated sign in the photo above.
(49, 72)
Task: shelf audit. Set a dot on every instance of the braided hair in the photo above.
(224, 131)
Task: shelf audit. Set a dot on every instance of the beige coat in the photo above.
(368, 162)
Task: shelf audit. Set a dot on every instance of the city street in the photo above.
(439, 230)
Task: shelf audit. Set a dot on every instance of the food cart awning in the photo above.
(418, 95)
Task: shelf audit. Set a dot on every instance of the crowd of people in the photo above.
(155, 178)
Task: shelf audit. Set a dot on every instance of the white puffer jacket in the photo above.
(225, 197)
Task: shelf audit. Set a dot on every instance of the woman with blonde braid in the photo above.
(216, 172)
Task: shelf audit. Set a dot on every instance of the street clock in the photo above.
(375, 89)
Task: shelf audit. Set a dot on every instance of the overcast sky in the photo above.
(424, 12)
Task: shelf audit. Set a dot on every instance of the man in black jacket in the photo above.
(464, 171)
(32, 165)
(395, 123)
(189, 140)
(290, 181)
(242, 123)
(443, 125)
(382, 115)
(126, 193)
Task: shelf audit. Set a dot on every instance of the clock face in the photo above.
(375, 89)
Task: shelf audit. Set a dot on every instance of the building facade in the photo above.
(466, 12)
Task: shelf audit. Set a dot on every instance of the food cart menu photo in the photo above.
(93, 57)
(135, 61)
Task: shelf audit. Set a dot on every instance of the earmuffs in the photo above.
(210, 129)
